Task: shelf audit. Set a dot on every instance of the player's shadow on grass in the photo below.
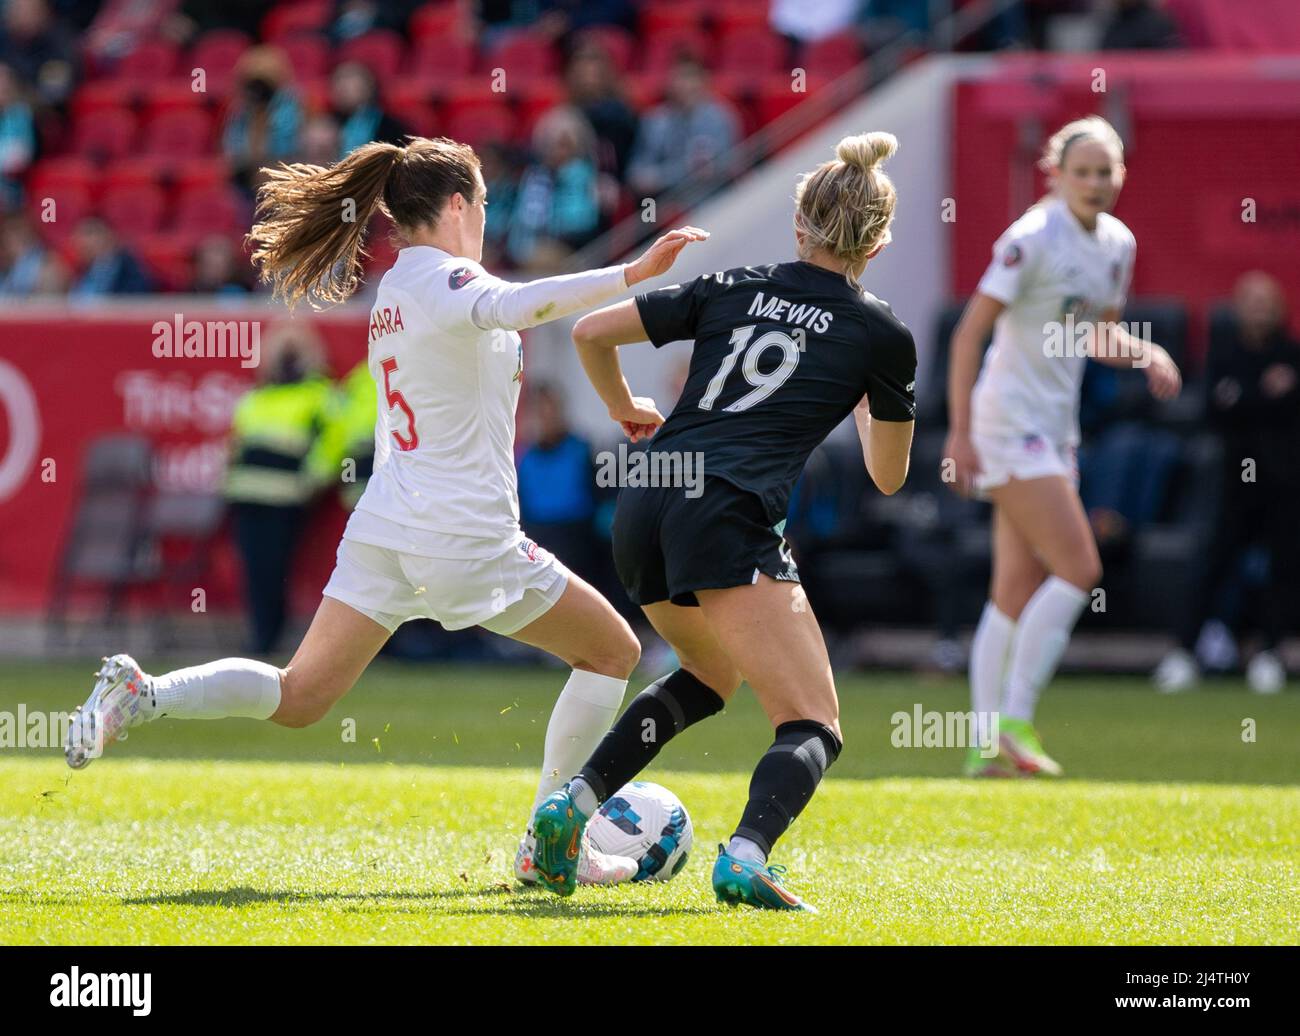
(506, 901)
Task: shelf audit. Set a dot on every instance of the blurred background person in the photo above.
(17, 138)
(690, 134)
(219, 267)
(1140, 25)
(265, 115)
(27, 266)
(596, 91)
(556, 209)
(107, 267)
(355, 106)
(278, 463)
(40, 49)
(1253, 386)
(319, 140)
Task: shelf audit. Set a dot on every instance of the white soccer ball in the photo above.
(648, 823)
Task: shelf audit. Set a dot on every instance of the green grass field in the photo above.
(1169, 829)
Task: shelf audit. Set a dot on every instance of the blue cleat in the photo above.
(558, 825)
(753, 884)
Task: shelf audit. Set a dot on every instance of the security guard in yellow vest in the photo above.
(278, 464)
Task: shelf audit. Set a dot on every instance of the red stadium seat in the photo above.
(104, 134)
(748, 57)
(168, 258)
(535, 100)
(525, 57)
(178, 133)
(775, 98)
(662, 49)
(657, 18)
(51, 176)
(70, 206)
(379, 50)
(314, 93)
(133, 210)
(203, 210)
(451, 18)
(434, 60)
(284, 21)
(616, 42)
(131, 172)
(149, 62)
(831, 57)
(480, 124)
(739, 16)
(207, 172)
(309, 54)
(101, 94)
(216, 53)
(171, 96)
(416, 115)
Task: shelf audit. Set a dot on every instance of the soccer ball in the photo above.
(648, 823)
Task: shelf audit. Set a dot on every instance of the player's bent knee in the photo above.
(303, 701)
(616, 655)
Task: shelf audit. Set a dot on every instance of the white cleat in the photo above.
(1266, 674)
(594, 867)
(1176, 672)
(122, 698)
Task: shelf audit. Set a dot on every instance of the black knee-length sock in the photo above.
(785, 780)
(655, 716)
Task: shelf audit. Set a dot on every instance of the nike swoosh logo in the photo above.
(572, 851)
(785, 896)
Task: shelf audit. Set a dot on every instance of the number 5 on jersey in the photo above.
(396, 399)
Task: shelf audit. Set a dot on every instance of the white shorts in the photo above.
(503, 593)
(1021, 457)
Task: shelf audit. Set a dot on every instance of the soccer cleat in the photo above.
(1019, 743)
(978, 765)
(1265, 673)
(594, 867)
(737, 882)
(558, 826)
(122, 698)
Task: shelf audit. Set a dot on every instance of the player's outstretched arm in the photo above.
(513, 307)
(597, 337)
(1116, 347)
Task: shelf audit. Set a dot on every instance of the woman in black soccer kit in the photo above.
(783, 353)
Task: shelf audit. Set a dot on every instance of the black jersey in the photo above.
(783, 353)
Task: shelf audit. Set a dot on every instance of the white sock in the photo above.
(988, 666)
(221, 689)
(584, 796)
(583, 712)
(1041, 635)
(745, 849)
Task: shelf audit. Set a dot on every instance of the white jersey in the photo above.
(1045, 267)
(448, 365)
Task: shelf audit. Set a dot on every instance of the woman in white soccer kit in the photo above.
(1051, 297)
(436, 533)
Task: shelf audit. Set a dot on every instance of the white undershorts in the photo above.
(1021, 457)
(502, 593)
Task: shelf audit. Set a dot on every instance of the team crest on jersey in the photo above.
(529, 549)
(460, 277)
(1012, 256)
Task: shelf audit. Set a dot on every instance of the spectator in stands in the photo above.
(558, 18)
(355, 18)
(354, 103)
(319, 141)
(594, 90)
(556, 209)
(502, 181)
(690, 135)
(557, 486)
(218, 267)
(806, 23)
(107, 266)
(27, 267)
(1253, 385)
(196, 17)
(263, 123)
(1140, 25)
(120, 26)
(17, 138)
(39, 49)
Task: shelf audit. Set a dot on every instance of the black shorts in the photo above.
(668, 545)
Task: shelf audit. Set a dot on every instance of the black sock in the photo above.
(655, 716)
(785, 779)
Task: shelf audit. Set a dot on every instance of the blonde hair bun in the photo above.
(866, 150)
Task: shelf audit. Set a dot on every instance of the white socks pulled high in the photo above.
(583, 712)
(225, 688)
(988, 666)
(1041, 635)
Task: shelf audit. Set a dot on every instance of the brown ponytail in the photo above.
(308, 240)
